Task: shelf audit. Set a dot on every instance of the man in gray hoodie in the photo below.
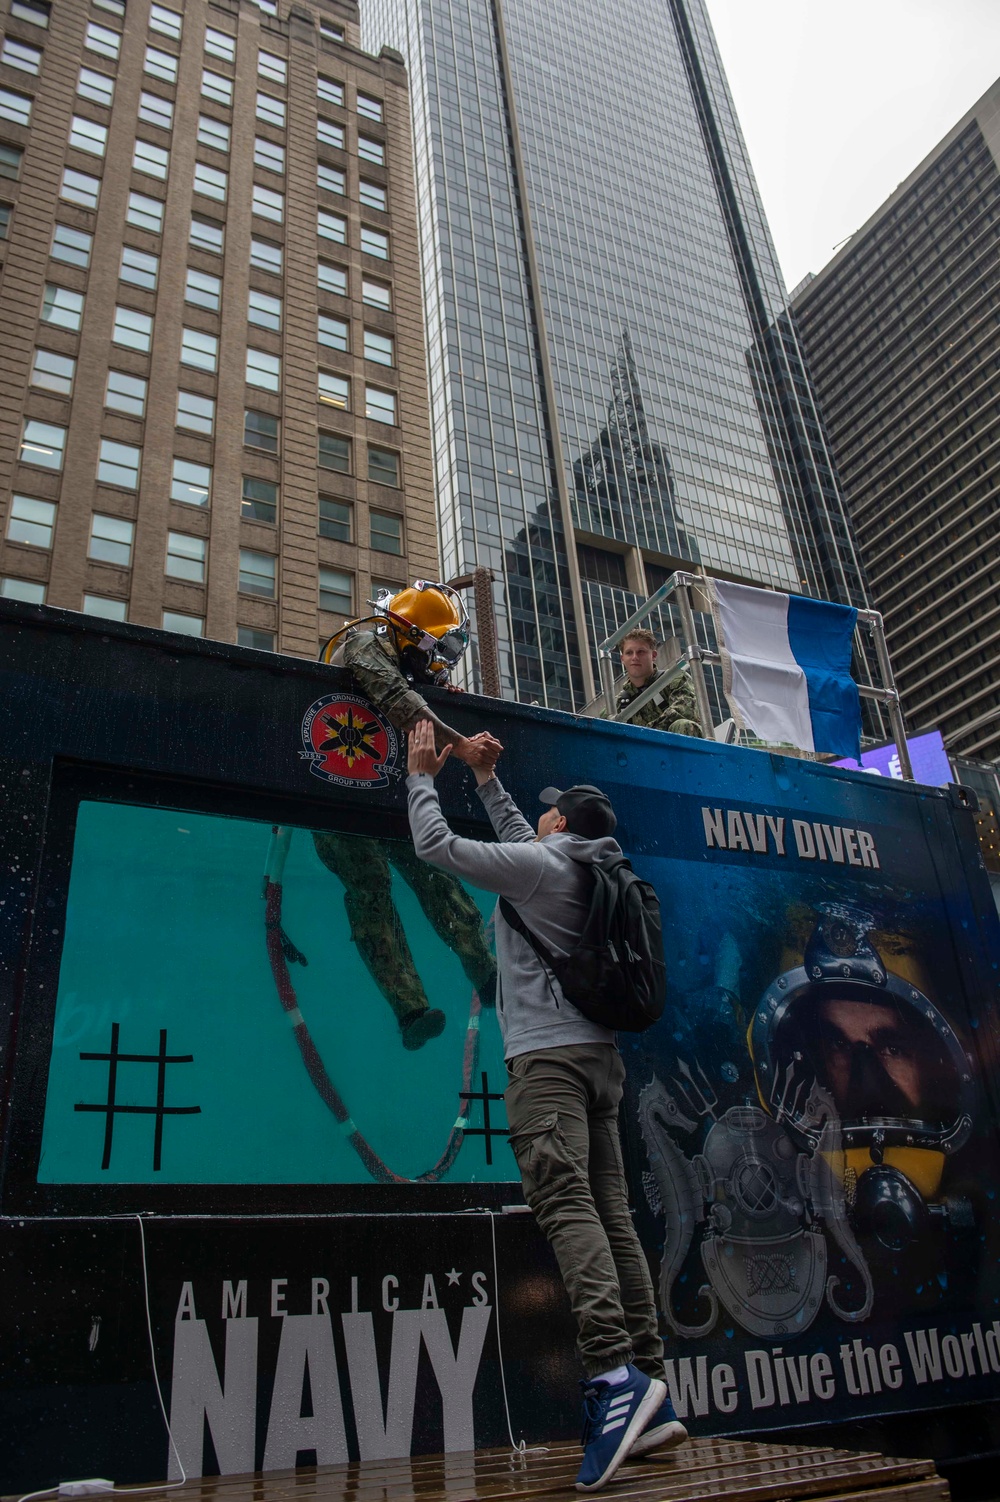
(565, 1088)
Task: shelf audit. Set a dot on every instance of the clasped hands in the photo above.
(480, 752)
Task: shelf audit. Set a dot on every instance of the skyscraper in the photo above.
(902, 331)
(616, 388)
(213, 400)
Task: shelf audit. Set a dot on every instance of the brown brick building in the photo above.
(213, 402)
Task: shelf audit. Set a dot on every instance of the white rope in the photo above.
(518, 1448)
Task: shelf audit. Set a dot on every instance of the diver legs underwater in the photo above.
(362, 864)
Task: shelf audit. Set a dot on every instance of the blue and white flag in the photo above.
(786, 667)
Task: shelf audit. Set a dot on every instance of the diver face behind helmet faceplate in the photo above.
(430, 625)
(885, 1057)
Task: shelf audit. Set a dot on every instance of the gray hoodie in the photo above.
(547, 881)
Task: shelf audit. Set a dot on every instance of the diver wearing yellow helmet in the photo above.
(415, 636)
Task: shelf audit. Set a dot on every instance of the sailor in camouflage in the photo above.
(676, 710)
(415, 637)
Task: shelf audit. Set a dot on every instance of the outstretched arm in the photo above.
(380, 679)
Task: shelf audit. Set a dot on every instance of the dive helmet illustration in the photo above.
(428, 617)
(898, 1076)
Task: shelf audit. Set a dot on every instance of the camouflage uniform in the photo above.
(363, 863)
(676, 711)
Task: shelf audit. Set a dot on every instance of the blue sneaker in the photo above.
(613, 1417)
(662, 1431)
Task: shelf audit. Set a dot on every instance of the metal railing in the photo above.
(690, 593)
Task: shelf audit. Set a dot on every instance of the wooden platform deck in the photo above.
(734, 1470)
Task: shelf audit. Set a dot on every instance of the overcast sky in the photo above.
(839, 103)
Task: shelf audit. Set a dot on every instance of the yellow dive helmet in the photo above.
(430, 617)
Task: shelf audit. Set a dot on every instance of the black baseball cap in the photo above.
(586, 809)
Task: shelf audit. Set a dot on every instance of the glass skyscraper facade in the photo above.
(616, 388)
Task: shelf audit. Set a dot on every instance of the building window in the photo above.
(334, 390)
(386, 533)
(118, 464)
(380, 406)
(334, 519)
(271, 110)
(334, 452)
(126, 393)
(107, 609)
(191, 483)
(371, 151)
(379, 347)
(331, 32)
(20, 55)
(101, 39)
(35, 11)
(22, 589)
(329, 133)
(375, 243)
(272, 67)
(95, 86)
(153, 160)
(207, 235)
(156, 111)
(113, 7)
(331, 92)
(6, 210)
(78, 187)
(260, 431)
(268, 204)
(202, 290)
(213, 133)
(372, 195)
(376, 294)
(602, 566)
(268, 155)
(166, 21)
(257, 573)
(186, 557)
(369, 107)
(184, 625)
(62, 307)
(210, 182)
(330, 178)
(332, 278)
(139, 268)
(260, 500)
(87, 135)
(198, 349)
(53, 372)
(145, 213)
(111, 539)
(133, 330)
(264, 311)
(336, 591)
(71, 245)
(331, 227)
(10, 161)
(214, 86)
(383, 466)
(250, 636)
(265, 256)
(31, 521)
(160, 65)
(332, 332)
(218, 44)
(195, 412)
(263, 370)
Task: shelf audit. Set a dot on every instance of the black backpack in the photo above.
(616, 975)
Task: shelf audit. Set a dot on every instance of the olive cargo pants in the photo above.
(562, 1109)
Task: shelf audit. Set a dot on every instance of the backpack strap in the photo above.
(514, 920)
